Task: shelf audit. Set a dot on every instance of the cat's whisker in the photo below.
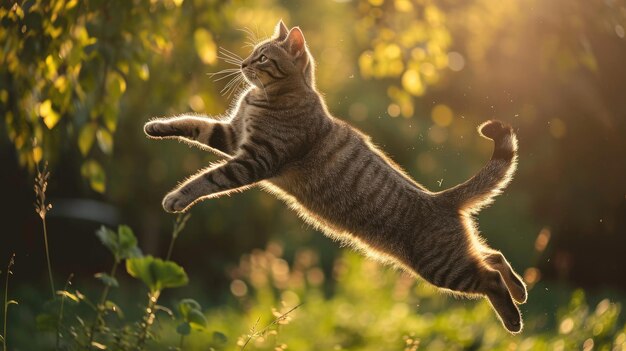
(232, 54)
(231, 61)
(235, 88)
(249, 44)
(224, 71)
(253, 38)
(223, 55)
(230, 84)
(226, 76)
(226, 56)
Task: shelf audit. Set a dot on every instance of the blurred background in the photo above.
(78, 79)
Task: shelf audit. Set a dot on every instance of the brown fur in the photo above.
(281, 136)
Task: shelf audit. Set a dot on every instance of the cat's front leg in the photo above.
(217, 135)
(236, 174)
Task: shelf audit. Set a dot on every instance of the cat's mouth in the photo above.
(251, 76)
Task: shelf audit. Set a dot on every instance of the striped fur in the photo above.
(281, 136)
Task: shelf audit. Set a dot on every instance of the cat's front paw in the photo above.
(158, 129)
(175, 202)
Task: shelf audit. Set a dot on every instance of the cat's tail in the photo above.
(479, 191)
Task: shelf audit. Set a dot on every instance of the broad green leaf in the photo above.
(93, 171)
(127, 242)
(197, 320)
(107, 279)
(86, 138)
(105, 140)
(219, 338)
(50, 117)
(122, 244)
(108, 239)
(186, 305)
(116, 85)
(183, 328)
(156, 273)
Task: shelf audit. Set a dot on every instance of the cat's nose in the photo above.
(244, 65)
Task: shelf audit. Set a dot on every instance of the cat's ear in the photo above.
(295, 43)
(280, 31)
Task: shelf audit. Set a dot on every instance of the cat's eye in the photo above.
(263, 58)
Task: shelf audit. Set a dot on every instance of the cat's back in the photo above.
(349, 183)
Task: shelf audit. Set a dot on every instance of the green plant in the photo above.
(179, 225)
(192, 318)
(123, 245)
(157, 275)
(7, 302)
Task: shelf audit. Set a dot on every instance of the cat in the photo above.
(281, 136)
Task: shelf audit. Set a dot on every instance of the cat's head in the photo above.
(282, 59)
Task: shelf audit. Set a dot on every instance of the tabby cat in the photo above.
(281, 136)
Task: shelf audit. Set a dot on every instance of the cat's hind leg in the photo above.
(472, 277)
(513, 281)
(459, 267)
(202, 131)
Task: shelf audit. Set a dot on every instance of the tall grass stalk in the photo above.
(7, 302)
(41, 184)
(255, 334)
(179, 225)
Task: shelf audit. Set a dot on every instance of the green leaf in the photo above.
(122, 244)
(93, 171)
(107, 279)
(183, 328)
(127, 242)
(69, 295)
(186, 305)
(109, 239)
(219, 338)
(197, 319)
(105, 140)
(86, 137)
(49, 115)
(109, 116)
(116, 85)
(156, 273)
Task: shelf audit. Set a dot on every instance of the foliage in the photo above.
(65, 67)
(122, 244)
(156, 273)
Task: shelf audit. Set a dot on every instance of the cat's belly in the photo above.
(376, 216)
